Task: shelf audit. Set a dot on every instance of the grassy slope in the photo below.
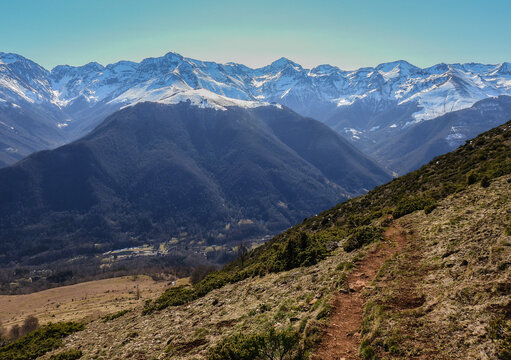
(444, 296)
(285, 294)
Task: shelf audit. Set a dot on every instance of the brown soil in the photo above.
(342, 335)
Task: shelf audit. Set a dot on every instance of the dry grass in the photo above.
(437, 299)
(87, 300)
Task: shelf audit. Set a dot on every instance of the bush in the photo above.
(273, 344)
(115, 315)
(30, 324)
(409, 205)
(366, 352)
(72, 354)
(173, 296)
(472, 178)
(428, 209)
(39, 342)
(299, 250)
(485, 181)
(362, 236)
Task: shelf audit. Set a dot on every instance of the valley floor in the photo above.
(83, 301)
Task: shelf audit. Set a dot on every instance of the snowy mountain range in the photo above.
(364, 105)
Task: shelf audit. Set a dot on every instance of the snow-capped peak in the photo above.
(435, 90)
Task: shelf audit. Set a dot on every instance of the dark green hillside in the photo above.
(152, 172)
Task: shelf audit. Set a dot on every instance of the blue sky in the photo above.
(349, 34)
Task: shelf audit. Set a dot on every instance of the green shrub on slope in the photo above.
(39, 342)
(273, 344)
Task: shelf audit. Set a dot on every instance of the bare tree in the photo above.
(15, 332)
(200, 272)
(242, 252)
(3, 332)
(30, 324)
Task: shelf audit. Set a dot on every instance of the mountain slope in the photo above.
(366, 105)
(152, 172)
(421, 142)
(276, 299)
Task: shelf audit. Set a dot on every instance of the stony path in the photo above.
(342, 337)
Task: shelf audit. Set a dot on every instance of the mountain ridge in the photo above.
(367, 105)
(152, 172)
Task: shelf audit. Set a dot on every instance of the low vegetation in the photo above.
(272, 344)
(71, 354)
(116, 315)
(39, 342)
(363, 236)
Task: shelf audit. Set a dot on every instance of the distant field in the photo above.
(86, 300)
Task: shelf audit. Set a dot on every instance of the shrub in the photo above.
(472, 178)
(115, 315)
(429, 208)
(366, 352)
(409, 205)
(71, 354)
(272, 344)
(14, 332)
(171, 297)
(299, 250)
(39, 342)
(485, 181)
(362, 236)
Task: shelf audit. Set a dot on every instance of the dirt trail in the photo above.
(342, 336)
